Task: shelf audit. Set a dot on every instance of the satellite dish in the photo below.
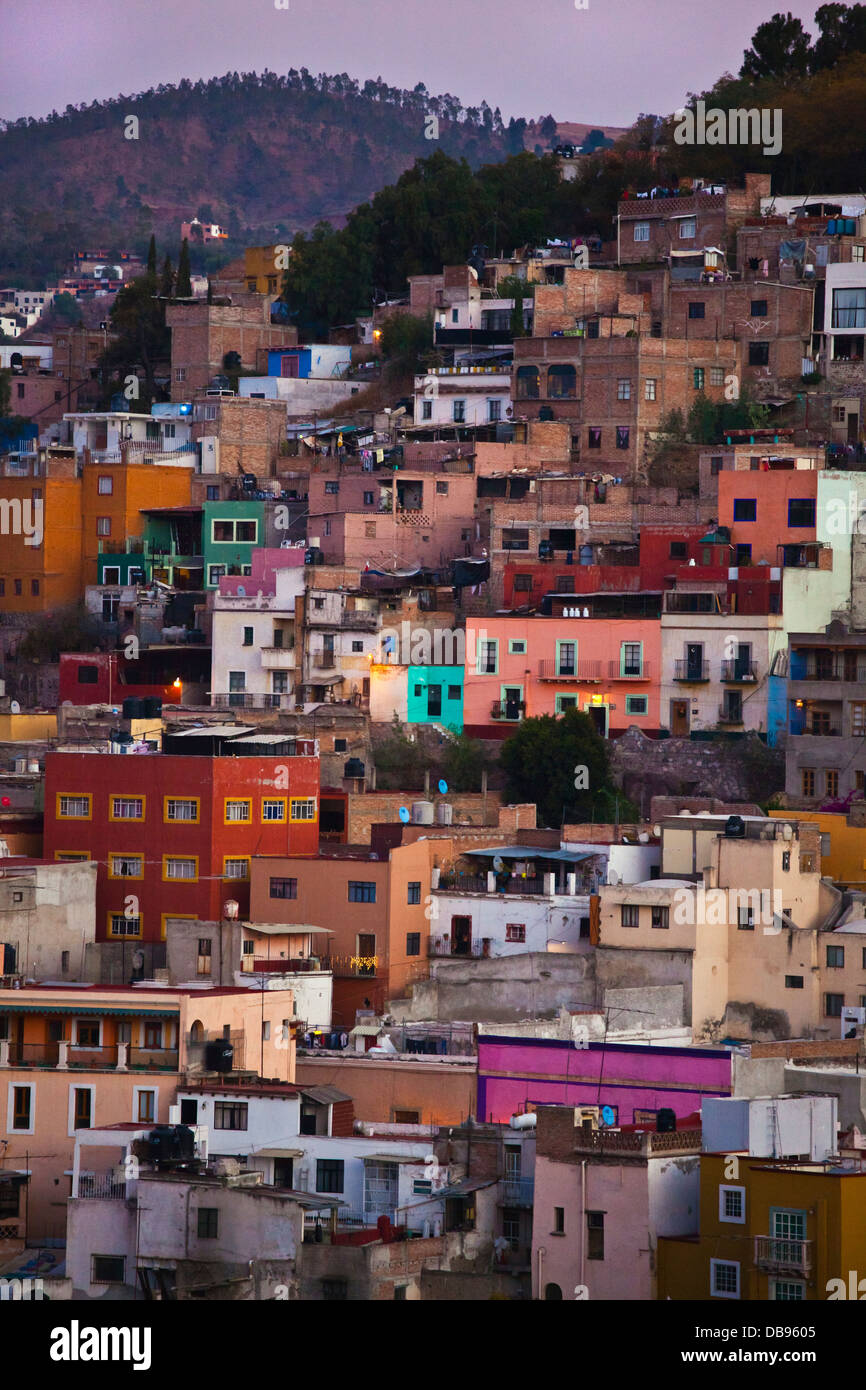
(138, 959)
(15, 708)
(498, 864)
(443, 786)
(657, 830)
(608, 1115)
(404, 814)
(613, 878)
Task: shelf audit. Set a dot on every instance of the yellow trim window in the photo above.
(176, 868)
(303, 808)
(181, 810)
(74, 806)
(121, 925)
(273, 809)
(127, 808)
(238, 810)
(72, 856)
(126, 866)
(236, 867)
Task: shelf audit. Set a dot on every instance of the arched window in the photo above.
(527, 383)
(196, 1032)
(552, 1293)
(562, 380)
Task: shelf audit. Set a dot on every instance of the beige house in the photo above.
(743, 921)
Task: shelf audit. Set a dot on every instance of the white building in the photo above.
(715, 664)
(254, 644)
(111, 436)
(463, 396)
(47, 919)
(845, 312)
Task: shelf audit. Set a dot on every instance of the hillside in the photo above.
(257, 153)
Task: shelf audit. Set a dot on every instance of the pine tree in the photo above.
(151, 255)
(183, 284)
(166, 284)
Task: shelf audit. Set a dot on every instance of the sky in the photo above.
(603, 64)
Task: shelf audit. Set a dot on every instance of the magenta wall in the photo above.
(515, 1071)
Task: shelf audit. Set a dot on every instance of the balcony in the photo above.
(443, 946)
(278, 658)
(552, 670)
(691, 672)
(105, 1186)
(510, 711)
(851, 673)
(738, 671)
(617, 671)
(239, 699)
(63, 1056)
(730, 714)
(783, 1256)
(516, 1192)
(324, 661)
(817, 731)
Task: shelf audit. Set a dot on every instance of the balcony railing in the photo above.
(93, 1058)
(509, 710)
(241, 700)
(33, 1054)
(153, 1059)
(444, 946)
(730, 714)
(738, 671)
(517, 1192)
(324, 661)
(617, 671)
(852, 674)
(779, 1256)
(553, 670)
(106, 1186)
(691, 671)
(818, 731)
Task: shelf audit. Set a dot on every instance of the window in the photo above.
(413, 894)
(622, 436)
(594, 437)
(758, 309)
(181, 809)
(801, 511)
(566, 658)
(745, 919)
(203, 961)
(516, 646)
(522, 583)
(494, 411)
(238, 810)
(248, 637)
(302, 808)
(103, 526)
(105, 486)
(836, 957)
(153, 1036)
(329, 1175)
(173, 868)
(208, 1223)
(759, 354)
(515, 931)
(745, 509)
(831, 781)
(335, 1290)
(230, 1114)
(833, 1004)
(455, 692)
(125, 866)
(724, 1279)
(73, 807)
(82, 1107)
(698, 378)
(697, 309)
(636, 704)
(629, 915)
(458, 412)
(34, 588)
(107, 1269)
(22, 1107)
(649, 388)
(213, 492)
(595, 1235)
(332, 487)
(807, 781)
(623, 389)
(146, 1107)
(732, 1204)
(717, 378)
(361, 891)
(180, 373)
(857, 254)
(127, 808)
(787, 1291)
(236, 868)
(631, 658)
(661, 917)
(413, 943)
(793, 982)
(564, 702)
(641, 231)
(121, 925)
(688, 228)
(442, 488)
(488, 658)
(274, 808)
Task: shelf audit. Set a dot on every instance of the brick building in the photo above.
(208, 339)
(651, 227)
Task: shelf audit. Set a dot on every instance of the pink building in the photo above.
(516, 1074)
(518, 668)
(390, 519)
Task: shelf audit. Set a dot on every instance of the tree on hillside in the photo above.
(842, 32)
(151, 256)
(166, 282)
(545, 757)
(547, 129)
(780, 50)
(405, 342)
(142, 343)
(183, 284)
(5, 393)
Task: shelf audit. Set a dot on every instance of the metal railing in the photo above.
(108, 1187)
(691, 670)
(92, 1058)
(730, 714)
(240, 700)
(853, 674)
(443, 946)
(772, 1254)
(552, 670)
(517, 1192)
(736, 670)
(618, 672)
(152, 1058)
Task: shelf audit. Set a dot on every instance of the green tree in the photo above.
(142, 342)
(780, 50)
(463, 762)
(183, 284)
(5, 393)
(151, 256)
(66, 307)
(405, 342)
(547, 129)
(559, 763)
(166, 283)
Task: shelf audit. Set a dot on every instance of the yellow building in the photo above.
(769, 1231)
(265, 268)
(843, 842)
(27, 728)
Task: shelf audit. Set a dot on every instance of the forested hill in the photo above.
(255, 152)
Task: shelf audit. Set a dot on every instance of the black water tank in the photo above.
(163, 1144)
(666, 1121)
(151, 707)
(218, 1056)
(354, 768)
(184, 1142)
(133, 708)
(735, 828)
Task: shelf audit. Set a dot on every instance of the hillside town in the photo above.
(480, 912)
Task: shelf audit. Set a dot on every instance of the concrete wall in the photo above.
(441, 1091)
(48, 912)
(530, 985)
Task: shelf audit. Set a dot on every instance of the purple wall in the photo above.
(514, 1071)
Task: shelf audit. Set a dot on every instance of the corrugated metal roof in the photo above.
(325, 1095)
(465, 1186)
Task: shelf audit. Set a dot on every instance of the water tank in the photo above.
(444, 813)
(353, 767)
(151, 707)
(735, 828)
(133, 708)
(218, 1056)
(584, 555)
(422, 812)
(666, 1121)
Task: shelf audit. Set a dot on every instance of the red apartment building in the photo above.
(174, 833)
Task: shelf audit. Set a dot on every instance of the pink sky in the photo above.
(603, 64)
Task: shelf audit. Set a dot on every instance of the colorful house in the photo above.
(435, 696)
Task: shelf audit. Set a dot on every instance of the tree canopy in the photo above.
(562, 765)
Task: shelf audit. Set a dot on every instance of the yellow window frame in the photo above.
(62, 795)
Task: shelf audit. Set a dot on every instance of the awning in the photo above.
(285, 929)
(277, 1153)
(324, 1095)
(324, 680)
(393, 1158)
(465, 1187)
(564, 856)
(80, 1009)
(366, 1030)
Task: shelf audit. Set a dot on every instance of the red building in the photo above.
(174, 833)
(102, 678)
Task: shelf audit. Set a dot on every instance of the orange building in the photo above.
(113, 497)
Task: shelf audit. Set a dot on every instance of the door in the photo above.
(743, 666)
(512, 699)
(461, 936)
(853, 422)
(284, 1172)
(694, 660)
(680, 718)
(598, 715)
(434, 701)
(367, 953)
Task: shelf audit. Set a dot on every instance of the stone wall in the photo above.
(731, 770)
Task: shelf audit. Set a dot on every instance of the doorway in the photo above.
(598, 715)
(284, 1172)
(461, 936)
(679, 718)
